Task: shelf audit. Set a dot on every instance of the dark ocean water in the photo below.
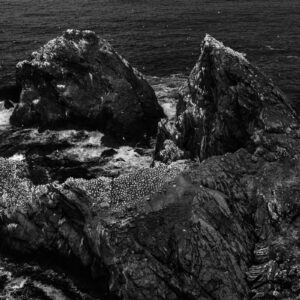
(162, 37)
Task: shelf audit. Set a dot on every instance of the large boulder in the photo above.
(79, 80)
(225, 102)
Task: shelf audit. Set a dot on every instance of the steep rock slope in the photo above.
(153, 234)
(224, 104)
(79, 80)
(223, 228)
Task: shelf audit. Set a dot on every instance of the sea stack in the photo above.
(79, 80)
(224, 104)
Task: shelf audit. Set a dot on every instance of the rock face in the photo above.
(79, 80)
(53, 155)
(223, 228)
(150, 234)
(224, 103)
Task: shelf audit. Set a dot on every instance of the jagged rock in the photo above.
(229, 104)
(169, 152)
(157, 236)
(79, 80)
(226, 101)
(56, 155)
(225, 228)
(162, 235)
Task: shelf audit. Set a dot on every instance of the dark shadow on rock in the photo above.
(10, 92)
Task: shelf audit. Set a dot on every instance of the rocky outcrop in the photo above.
(223, 228)
(151, 234)
(58, 155)
(78, 80)
(224, 104)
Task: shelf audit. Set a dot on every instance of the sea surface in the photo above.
(162, 37)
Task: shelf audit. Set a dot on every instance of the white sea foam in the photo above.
(4, 115)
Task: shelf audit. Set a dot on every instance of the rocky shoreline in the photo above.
(190, 190)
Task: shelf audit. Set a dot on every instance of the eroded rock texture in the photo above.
(223, 228)
(79, 80)
(151, 234)
(225, 102)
